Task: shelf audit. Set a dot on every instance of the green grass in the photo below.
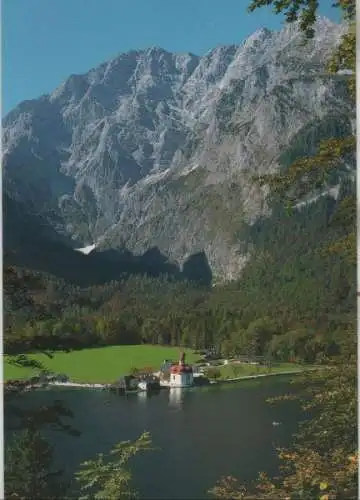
(244, 370)
(100, 365)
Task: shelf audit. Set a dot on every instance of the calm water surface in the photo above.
(202, 433)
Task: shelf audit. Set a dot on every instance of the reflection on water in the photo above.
(201, 433)
(176, 398)
(143, 396)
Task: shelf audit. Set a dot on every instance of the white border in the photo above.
(2, 492)
(358, 209)
(2, 443)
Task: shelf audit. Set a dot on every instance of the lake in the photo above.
(202, 433)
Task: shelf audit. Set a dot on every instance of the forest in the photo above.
(295, 300)
(267, 311)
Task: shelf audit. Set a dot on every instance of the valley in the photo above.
(165, 202)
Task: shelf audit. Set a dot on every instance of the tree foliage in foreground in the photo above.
(323, 461)
(109, 477)
(29, 458)
(334, 154)
(29, 469)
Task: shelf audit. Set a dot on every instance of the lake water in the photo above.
(202, 433)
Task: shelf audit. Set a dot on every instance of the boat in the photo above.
(149, 384)
(143, 385)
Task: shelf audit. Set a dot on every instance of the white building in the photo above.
(181, 375)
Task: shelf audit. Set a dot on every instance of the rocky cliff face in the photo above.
(154, 149)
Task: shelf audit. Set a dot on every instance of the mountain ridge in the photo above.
(154, 149)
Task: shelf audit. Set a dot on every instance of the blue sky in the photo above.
(44, 41)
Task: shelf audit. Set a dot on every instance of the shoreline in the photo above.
(88, 385)
(247, 377)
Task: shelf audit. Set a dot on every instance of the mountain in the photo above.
(159, 150)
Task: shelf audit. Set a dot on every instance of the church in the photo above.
(181, 374)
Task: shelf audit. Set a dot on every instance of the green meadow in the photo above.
(245, 370)
(99, 365)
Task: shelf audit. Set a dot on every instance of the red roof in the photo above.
(181, 369)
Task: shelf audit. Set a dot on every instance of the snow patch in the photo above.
(188, 170)
(153, 178)
(86, 250)
(345, 72)
(333, 191)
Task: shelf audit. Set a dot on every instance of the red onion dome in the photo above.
(181, 369)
